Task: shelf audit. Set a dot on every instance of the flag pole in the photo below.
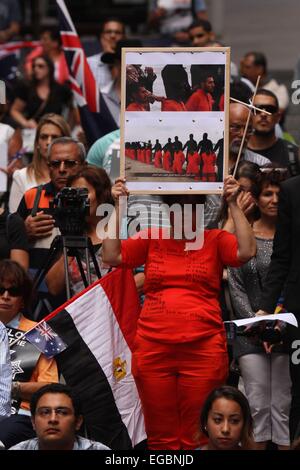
(246, 128)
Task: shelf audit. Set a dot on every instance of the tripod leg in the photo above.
(66, 265)
(87, 263)
(94, 259)
(82, 273)
(41, 273)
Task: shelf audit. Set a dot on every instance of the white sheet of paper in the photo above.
(3, 164)
(286, 317)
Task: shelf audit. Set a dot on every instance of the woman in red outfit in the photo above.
(180, 346)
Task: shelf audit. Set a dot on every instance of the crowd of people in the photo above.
(247, 266)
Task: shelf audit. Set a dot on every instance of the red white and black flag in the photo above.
(96, 118)
(98, 327)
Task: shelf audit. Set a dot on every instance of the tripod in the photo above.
(69, 245)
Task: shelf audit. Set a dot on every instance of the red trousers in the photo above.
(173, 380)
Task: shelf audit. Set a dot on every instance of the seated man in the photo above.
(56, 418)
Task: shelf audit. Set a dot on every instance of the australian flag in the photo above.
(96, 118)
(45, 340)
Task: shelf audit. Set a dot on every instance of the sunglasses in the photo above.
(13, 291)
(267, 107)
(274, 170)
(67, 163)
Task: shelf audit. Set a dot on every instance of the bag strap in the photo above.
(36, 200)
(41, 108)
(7, 226)
(294, 165)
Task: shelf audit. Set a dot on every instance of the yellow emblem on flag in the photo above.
(119, 368)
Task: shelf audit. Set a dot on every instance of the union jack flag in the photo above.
(45, 339)
(96, 118)
(10, 57)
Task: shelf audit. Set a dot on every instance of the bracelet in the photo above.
(16, 390)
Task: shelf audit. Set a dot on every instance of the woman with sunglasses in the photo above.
(50, 126)
(40, 95)
(36, 370)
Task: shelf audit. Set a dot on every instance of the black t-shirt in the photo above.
(59, 97)
(13, 235)
(277, 153)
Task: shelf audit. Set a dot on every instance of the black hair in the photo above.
(230, 393)
(199, 23)
(56, 388)
(115, 19)
(50, 66)
(53, 31)
(264, 92)
(240, 90)
(258, 59)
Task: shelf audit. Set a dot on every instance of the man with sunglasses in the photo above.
(66, 157)
(264, 140)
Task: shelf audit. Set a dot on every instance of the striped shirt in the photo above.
(5, 375)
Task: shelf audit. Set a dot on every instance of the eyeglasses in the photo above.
(67, 163)
(13, 291)
(267, 107)
(46, 411)
(236, 129)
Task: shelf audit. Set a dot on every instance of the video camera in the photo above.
(70, 208)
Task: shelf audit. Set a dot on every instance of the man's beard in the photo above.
(235, 148)
(264, 133)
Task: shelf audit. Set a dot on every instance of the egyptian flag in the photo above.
(95, 116)
(98, 326)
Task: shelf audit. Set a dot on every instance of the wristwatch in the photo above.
(16, 390)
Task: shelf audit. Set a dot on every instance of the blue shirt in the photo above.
(5, 374)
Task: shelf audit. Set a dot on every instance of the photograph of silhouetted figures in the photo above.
(175, 87)
(175, 158)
